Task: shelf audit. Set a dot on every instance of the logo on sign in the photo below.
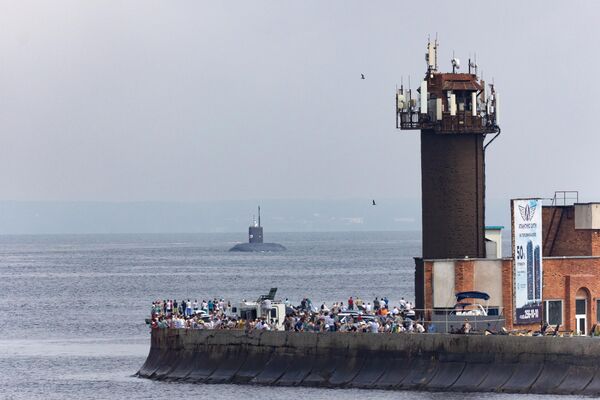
(527, 212)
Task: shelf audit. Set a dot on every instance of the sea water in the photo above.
(72, 308)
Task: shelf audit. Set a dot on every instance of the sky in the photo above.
(198, 101)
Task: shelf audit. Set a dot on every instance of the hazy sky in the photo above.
(199, 100)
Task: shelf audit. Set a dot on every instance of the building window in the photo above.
(580, 306)
(553, 312)
(598, 311)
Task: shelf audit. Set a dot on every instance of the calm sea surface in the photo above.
(72, 308)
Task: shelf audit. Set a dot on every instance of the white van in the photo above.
(274, 312)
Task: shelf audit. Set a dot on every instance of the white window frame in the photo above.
(562, 310)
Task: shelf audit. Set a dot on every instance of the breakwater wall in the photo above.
(440, 362)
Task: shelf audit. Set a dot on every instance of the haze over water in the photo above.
(73, 307)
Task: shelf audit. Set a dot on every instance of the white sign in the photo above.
(527, 260)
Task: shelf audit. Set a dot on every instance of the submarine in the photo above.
(255, 240)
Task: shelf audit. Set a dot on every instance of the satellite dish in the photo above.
(456, 63)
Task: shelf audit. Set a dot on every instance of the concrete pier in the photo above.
(437, 362)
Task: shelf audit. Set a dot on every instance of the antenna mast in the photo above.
(258, 215)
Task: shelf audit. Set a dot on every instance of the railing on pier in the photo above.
(448, 320)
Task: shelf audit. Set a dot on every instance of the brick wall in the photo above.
(595, 237)
(453, 195)
(563, 278)
(507, 292)
(428, 266)
(464, 273)
(560, 237)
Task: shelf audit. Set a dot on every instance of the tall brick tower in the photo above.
(454, 114)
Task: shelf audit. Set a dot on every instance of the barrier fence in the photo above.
(450, 320)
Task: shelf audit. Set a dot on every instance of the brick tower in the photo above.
(454, 114)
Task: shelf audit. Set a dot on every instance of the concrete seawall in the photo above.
(383, 361)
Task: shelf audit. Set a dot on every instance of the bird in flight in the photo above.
(362, 76)
(374, 203)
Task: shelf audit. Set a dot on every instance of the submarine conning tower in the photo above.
(255, 232)
(454, 113)
(255, 240)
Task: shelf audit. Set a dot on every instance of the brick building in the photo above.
(457, 115)
(571, 273)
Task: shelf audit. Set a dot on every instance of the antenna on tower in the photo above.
(436, 48)
(431, 55)
(469, 63)
(410, 102)
(473, 66)
(259, 216)
(455, 63)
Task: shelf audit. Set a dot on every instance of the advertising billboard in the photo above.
(527, 259)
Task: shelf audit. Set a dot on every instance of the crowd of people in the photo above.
(355, 315)
(211, 314)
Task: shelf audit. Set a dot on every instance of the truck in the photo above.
(265, 307)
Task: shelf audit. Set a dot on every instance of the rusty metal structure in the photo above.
(448, 102)
(454, 113)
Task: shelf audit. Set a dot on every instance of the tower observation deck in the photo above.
(454, 113)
